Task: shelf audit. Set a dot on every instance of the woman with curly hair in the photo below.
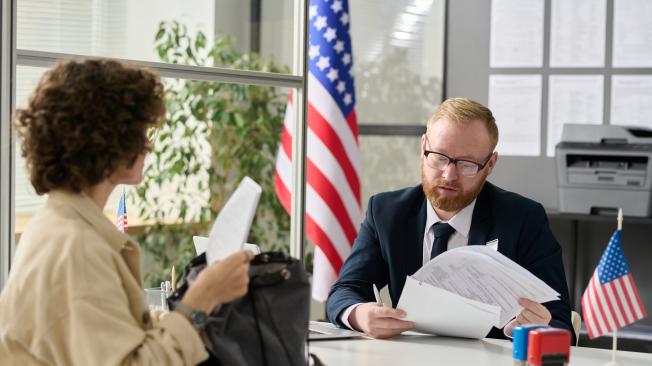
(74, 294)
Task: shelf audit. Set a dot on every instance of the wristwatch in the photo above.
(198, 318)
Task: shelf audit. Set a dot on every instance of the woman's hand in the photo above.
(219, 283)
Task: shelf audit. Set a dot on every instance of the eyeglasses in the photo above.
(152, 134)
(467, 168)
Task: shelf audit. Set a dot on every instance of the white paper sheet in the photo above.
(573, 99)
(231, 228)
(632, 33)
(482, 274)
(536, 286)
(516, 104)
(631, 100)
(578, 33)
(516, 33)
(437, 311)
(201, 243)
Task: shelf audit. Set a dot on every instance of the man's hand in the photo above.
(532, 313)
(379, 321)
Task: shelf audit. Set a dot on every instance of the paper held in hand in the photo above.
(231, 228)
(465, 291)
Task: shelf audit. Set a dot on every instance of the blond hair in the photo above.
(463, 110)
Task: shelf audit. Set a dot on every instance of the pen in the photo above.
(377, 295)
(174, 279)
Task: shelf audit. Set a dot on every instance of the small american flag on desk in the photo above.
(333, 211)
(611, 300)
(121, 221)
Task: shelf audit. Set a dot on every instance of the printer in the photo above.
(601, 168)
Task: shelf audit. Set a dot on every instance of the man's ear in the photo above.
(492, 162)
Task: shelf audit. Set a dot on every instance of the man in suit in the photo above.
(454, 206)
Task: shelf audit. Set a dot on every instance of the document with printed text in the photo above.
(465, 291)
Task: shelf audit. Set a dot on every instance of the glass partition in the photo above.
(213, 135)
(129, 29)
(398, 49)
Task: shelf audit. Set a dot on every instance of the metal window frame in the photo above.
(188, 72)
(7, 97)
(12, 57)
(298, 197)
(391, 130)
(410, 129)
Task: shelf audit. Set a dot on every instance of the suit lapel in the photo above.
(481, 220)
(414, 238)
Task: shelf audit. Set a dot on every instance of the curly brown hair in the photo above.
(85, 119)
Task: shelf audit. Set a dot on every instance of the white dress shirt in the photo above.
(461, 222)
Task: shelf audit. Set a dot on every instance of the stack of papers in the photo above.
(465, 291)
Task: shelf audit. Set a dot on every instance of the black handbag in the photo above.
(269, 325)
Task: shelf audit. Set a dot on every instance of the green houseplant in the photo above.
(213, 135)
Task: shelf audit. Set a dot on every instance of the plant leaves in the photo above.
(213, 135)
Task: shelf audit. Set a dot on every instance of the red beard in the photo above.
(451, 203)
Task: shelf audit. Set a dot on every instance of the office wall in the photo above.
(467, 74)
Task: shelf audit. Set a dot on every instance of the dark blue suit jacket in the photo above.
(389, 247)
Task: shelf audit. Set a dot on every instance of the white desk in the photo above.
(430, 350)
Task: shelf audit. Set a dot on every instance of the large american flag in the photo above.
(121, 221)
(611, 300)
(333, 211)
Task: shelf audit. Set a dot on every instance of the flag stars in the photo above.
(323, 63)
(312, 11)
(336, 6)
(344, 19)
(601, 308)
(330, 34)
(339, 46)
(332, 74)
(341, 86)
(348, 99)
(314, 51)
(346, 59)
(320, 22)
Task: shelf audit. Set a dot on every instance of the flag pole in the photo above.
(614, 335)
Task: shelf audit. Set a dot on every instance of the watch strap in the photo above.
(198, 318)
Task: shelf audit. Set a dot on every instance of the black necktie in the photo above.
(442, 233)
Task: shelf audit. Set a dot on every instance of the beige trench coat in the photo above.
(74, 296)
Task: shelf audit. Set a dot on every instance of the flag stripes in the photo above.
(322, 225)
(604, 308)
(333, 212)
(328, 110)
(320, 155)
(325, 133)
(611, 300)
